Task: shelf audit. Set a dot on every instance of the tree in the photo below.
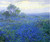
(6, 14)
(13, 9)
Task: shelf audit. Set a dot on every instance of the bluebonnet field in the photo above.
(19, 27)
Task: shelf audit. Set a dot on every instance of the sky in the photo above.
(27, 6)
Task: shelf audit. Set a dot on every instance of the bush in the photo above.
(6, 14)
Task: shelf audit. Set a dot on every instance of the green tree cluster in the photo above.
(11, 10)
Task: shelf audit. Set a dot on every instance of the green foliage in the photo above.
(45, 25)
(18, 11)
(6, 14)
(13, 9)
(22, 15)
(1, 39)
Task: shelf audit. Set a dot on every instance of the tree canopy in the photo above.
(6, 14)
(13, 9)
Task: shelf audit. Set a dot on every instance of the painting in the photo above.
(24, 20)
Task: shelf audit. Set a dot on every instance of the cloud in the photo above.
(31, 6)
(4, 3)
(27, 0)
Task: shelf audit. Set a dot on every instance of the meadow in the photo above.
(24, 28)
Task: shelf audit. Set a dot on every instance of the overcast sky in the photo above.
(28, 6)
